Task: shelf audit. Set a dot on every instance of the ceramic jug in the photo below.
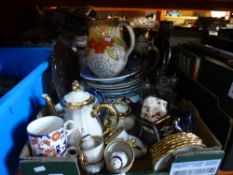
(106, 52)
(79, 108)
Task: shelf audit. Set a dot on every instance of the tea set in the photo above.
(96, 131)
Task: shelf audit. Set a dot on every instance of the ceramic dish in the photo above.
(120, 85)
(127, 72)
(120, 91)
(165, 160)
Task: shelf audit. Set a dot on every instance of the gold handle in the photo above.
(83, 159)
(108, 123)
(132, 142)
(50, 105)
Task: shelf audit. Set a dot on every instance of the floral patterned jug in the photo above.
(106, 53)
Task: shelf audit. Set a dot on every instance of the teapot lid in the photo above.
(77, 99)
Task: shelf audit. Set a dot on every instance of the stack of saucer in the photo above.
(126, 85)
(162, 153)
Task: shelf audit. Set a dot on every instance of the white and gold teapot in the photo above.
(78, 106)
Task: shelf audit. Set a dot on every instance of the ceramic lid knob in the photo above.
(119, 160)
(87, 140)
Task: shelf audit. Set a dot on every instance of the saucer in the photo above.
(128, 72)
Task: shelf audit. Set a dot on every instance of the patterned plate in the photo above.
(120, 85)
(128, 72)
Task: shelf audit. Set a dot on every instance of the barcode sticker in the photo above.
(207, 167)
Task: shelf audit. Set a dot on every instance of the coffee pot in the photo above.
(79, 108)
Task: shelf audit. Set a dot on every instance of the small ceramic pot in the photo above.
(126, 118)
(153, 109)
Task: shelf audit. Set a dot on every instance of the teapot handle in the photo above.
(132, 38)
(108, 123)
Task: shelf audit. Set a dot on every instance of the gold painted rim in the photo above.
(171, 144)
(174, 147)
(126, 168)
(172, 141)
(80, 105)
(156, 159)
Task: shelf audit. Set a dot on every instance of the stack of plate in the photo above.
(127, 85)
(163, 153)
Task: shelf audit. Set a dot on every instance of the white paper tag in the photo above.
(39, 169)
(230, 92)
(206, 167)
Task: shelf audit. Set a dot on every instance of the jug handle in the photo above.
(132, 38)
(50, 104)
(96, 111)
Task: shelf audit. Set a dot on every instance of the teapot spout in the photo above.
(50, 104)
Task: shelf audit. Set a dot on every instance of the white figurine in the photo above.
(119, 160)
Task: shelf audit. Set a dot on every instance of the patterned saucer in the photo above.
(128, 72)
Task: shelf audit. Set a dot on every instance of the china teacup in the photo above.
(47, 136)
(94, 168)
(117, 134)
(93, 155)
(139, 147)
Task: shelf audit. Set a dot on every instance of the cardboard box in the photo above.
(213, 155)
(208, 104)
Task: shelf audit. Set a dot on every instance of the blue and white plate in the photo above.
(128, 72)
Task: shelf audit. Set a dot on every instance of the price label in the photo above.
(207, 167)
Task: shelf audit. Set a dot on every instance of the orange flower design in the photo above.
(50, 153)
(56, 136)
(100, 46)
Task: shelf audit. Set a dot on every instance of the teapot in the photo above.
(79, 108)
(106, 52)
(126, 117)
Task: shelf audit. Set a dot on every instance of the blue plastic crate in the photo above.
(21, 103)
